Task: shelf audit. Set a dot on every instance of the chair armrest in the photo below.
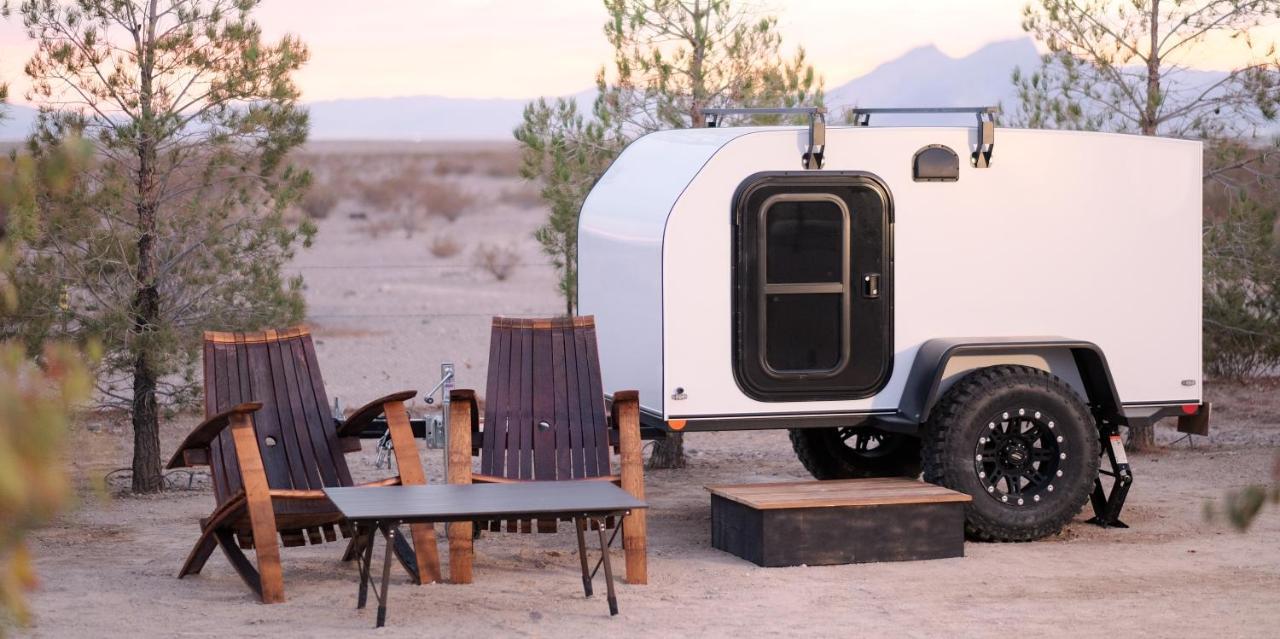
(360, 419)
(464, 423)
(205, 433)
(465, 397)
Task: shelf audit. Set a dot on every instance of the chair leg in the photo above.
(426, 554)
(407, 555)
(354, 545)
(461, 552)
(199, 553)
(634, 547)
(227, 542)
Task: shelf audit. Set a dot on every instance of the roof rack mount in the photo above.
(981, 156)
(812, 158)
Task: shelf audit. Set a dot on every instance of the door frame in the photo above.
(747, 267)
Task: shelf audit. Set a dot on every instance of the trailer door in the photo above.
(812, 286)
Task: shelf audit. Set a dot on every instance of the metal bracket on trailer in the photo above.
(981, 156)
(812, 157)
(1107, 505)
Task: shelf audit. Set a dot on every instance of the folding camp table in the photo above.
(383, 509)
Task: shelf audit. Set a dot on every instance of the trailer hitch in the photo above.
(1108, 504)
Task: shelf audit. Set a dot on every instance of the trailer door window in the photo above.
(805, 288)
(805, 327)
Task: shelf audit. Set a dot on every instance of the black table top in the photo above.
(445, 502)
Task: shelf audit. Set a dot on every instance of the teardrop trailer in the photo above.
(908, 299)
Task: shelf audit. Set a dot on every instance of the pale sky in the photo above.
(526, 48)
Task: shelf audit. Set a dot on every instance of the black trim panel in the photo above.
(870, 319)
(921, 390)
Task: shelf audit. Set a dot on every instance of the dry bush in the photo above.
(378, 226)
(525, 196)
(381, 195)
(319, 202)
(498, 261)
(444, 246)
(442, 198)
(498, 163)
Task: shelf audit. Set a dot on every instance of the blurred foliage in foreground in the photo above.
(1241, 507)
(36, 395)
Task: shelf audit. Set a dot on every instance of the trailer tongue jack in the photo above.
(1107, 505)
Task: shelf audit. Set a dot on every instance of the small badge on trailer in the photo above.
(1188, 382)
(679, 394)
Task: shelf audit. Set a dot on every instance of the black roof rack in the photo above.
(981, 157)
(812, 156)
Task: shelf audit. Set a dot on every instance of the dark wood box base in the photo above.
(829, 535)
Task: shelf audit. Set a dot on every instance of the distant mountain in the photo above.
(922, 77)
(422, 118)
(927, 77)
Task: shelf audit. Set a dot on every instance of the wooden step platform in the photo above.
(837, 522)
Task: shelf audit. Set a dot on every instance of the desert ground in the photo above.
(395, 288)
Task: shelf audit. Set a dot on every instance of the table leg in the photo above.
(578, 524)
(386, 573)
(608, 571)
(365, 558)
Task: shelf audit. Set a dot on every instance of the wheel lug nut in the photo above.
(991, 425)
(1004, 498)
(978, 457)
(1005, 415)
(1050, 487)
(991, 489)
(1059, 473)
(982, 474)
(1062, 456)
(1036, 497)
(1037, 414)
(1022, 411)
(1050, 424)
(1019, 501)
(1059, 438)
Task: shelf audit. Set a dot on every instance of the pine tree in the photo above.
(178, 223)
(672, 60)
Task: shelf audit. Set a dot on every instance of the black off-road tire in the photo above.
(826, 455)
(977, 417)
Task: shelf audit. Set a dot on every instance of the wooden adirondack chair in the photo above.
(272, 446)
(545, 420)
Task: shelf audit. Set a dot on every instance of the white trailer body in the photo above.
(1080, 236)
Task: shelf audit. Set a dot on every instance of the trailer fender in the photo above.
(925, 381)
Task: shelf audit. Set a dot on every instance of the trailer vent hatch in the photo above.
(935, 163)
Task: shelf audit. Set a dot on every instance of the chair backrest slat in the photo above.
(493, 389)
(560, 395)
(302, 458)
(544, 408)
(544, 371)
(296, 436)
(324, 433)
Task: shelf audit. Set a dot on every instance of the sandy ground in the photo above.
(386, 313)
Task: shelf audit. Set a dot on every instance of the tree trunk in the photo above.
(668, 452)
(1142, 437)
(147, 475)
(1151, 112)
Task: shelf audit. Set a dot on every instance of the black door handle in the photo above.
(871, 285)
